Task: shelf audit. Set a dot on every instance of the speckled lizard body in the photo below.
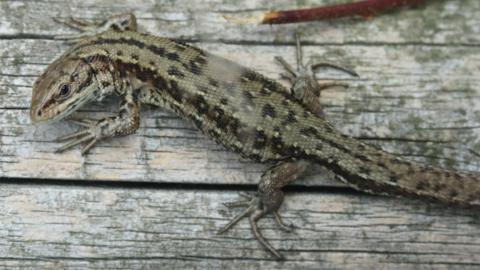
(237, 107)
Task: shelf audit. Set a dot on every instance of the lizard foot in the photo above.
(254, 211)
(302, 73)
(306, 70)
(305, 86)
(120, 22)
(91, 134)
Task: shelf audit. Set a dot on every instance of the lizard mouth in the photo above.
(36, 115)
(36, 112)
(41, 112)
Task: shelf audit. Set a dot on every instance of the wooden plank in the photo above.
(439, 22)
(417, 97)
(46, 226)
(418, 101)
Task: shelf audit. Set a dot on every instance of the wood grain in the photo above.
(46, 226)
(417, 96)
(422, 110)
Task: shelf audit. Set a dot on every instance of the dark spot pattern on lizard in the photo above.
(114, 27)
(278, 146)
(174, 91)
(235, 127)
(267, 87)
(143, 75)
(260, 140)
(422, 185)
(248, 98)
(174, 71)
(218, 116)
(135, 56)
(193, 67)
(200, 104)
(248, 75)
(291, 117)
(197, 122)
(160, 51)
(309, 132)
(180, 46)
(438, 186)
(393, 179)
(173, 56)
(268, 110)
(200, 60)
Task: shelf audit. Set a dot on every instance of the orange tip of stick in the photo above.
(270, 16)
(249, 20)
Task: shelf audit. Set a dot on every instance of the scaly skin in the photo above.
(237, 107)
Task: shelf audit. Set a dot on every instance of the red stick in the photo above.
(365, 8)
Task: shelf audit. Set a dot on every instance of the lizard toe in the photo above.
(254, 211)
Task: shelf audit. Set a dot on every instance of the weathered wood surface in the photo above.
(418, 96)
(59, 227)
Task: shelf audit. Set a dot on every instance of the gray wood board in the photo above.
(417, 101)
(439, 22)
(71, 227)
(417, 96)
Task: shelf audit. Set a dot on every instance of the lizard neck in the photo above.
(107, 75)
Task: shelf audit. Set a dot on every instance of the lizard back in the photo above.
(258, 117)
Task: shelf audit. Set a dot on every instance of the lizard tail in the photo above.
(370, 169)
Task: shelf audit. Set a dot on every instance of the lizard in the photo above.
(239, 108)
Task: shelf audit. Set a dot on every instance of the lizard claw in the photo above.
(120, 22)
(290, 227)
(304, 83)
(254, 212)
(89, 134)
(83, 26)
(241, 203)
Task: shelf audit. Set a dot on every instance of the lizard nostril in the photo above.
(39, 113)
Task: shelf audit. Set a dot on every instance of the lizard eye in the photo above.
(64, 91)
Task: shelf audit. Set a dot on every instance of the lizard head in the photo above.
(66, 85)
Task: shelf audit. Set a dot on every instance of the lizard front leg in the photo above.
(126, 122)
(120, 22)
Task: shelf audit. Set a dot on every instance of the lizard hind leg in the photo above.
(120, 22)
(305, 86)
(268, 200)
